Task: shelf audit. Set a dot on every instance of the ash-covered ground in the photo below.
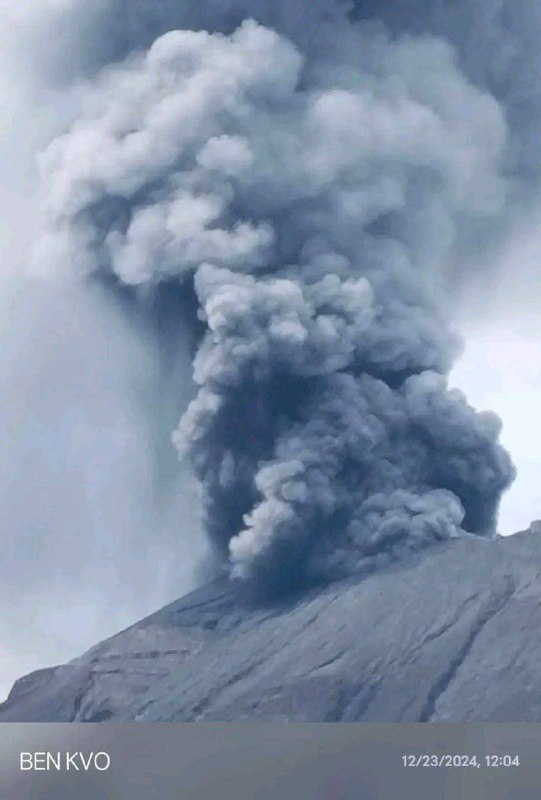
(450, 635)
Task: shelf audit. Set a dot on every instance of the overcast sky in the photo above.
(501, 366)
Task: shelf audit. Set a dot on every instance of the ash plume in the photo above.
(308, 178)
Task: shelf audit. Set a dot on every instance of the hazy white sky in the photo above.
(501, 366)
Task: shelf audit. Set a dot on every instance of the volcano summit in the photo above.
(449, 635)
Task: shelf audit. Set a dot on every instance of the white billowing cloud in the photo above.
(314, 199)
(193, 117)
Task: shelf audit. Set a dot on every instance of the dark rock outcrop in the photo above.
(453, 634)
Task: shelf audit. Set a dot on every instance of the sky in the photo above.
(501, 365)
(78, 459)
(82, 464)
(487, 383)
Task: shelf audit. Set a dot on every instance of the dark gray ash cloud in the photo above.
(313, 180)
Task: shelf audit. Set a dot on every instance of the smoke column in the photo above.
(306, 181)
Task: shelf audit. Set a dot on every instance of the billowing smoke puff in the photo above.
(312, 190)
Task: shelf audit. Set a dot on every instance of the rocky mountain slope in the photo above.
(453, 634)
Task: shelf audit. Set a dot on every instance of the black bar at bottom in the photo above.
(203, 761)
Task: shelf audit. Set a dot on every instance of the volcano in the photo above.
(451, 634)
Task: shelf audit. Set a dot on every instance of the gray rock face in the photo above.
(451, 635)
